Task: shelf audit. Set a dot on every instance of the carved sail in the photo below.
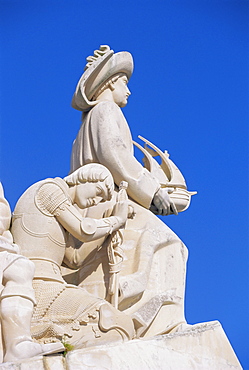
(167, 173)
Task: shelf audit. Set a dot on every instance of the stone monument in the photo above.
(43, 218)
(17, 296)
(109, 278)
(153, 267)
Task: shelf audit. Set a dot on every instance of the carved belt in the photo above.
(47, 269)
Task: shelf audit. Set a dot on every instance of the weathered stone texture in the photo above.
(201, 347)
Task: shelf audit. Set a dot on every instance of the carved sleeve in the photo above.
(51, 200)
(75, 255)
(50, 197)
(85, 229)
(112, 145)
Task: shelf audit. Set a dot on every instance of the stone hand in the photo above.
(120, 211)
(131, 211)
(163, 203)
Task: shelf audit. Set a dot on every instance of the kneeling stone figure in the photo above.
(44, 217)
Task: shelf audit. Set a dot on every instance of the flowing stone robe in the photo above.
(152, 279)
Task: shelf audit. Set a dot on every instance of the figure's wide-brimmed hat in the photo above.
(100, 67)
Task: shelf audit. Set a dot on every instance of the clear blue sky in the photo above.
(189, 96)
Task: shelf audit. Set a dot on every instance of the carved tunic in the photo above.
(105, 138)
(62, 309)
(155, 258)
(35, 229)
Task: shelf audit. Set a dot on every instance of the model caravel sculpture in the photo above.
(167, 173)
(131, 265)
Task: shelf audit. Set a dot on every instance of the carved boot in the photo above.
(112, 319)
(16, 313)
(108, 326)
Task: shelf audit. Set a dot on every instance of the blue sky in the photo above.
(189, 96)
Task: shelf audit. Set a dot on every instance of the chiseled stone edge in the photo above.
(52, 362)
(181, 350)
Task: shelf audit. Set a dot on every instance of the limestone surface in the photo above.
(151, 280)
(200, 347)
(100, 271)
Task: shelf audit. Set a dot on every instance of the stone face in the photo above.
(43, 218)
(200, 347)
(151, 280)
(130, 279)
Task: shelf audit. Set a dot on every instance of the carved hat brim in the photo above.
(97, 74)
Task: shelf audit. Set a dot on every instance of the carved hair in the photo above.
(92, 172)
(106, 85)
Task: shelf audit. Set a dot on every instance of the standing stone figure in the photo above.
(45, 217)
(152, 278)
(17, 298)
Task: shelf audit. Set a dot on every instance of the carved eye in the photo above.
(99, 191)
(125, 81)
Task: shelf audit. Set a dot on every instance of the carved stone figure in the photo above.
(129, 265)
(44, 219)
(17, 296)
(152, 278)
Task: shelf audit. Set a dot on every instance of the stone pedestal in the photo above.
(202, 346)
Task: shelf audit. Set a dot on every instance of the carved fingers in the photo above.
(120, 210)
(163, 204)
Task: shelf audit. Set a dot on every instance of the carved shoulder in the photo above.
(50, 196)
(105, 109)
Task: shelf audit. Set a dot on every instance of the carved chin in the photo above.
(123, 103)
